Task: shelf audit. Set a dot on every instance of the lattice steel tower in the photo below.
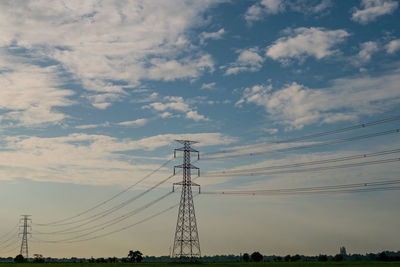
(186, 242)
(24, 245)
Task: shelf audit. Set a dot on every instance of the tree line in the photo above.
(137, 257)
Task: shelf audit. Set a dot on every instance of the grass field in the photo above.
(266, 264)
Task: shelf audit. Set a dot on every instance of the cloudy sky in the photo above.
(94, 93)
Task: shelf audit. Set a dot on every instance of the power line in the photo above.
(12, 249)
(341, 188)
(58, 222)
(349, 165)
(111, 222)
(311, 136)
(112, 209)
(362, 190)
(76, 239)
(337, 141)
(302, 164)
(12, 230)
(13, 239)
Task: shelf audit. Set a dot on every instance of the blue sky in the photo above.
(94, 93)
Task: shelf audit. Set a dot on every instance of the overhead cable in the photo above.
(61, 222)
(322, 168)
(330, 142)
(341, 188)
(111, 210)
(311, 136)
(302, 164)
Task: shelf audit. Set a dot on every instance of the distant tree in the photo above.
(287, 258)
(135, 256)
(38, 258)
(19, 259)
(278, 258)
(139, 258)
(256, 256)
(383, 256)
(322, 257)
(338, 257)
(343, 251)
(100, 260)
(295, 258)
(112, 259)
(246, 257)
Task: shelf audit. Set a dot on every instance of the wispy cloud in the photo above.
(248, 60)
(367, 49)
(296, 105)
(134, 123)
(108, 46)
(30, 95)
(372, 9)
(393, 46)
(208, 85)
(264, 7)
(87, 159)
(91, 126)
(211, 35)
(303, 42)
(177, 104)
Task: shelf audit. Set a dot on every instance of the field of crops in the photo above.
(266, 264)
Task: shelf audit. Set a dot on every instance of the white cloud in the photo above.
(166, 114)
(265, 7)
(211, 35)
(271, 130)
(309, 7)
(325, 4)
(271, 7)
(296, 105)
(30, 95)
(248, 60)
(91, 126)
(99, 42)
(393, 46)
(366, 52)
(208, 85)
(136, 123)
(87, 159)
(192, 114)
(302, 42)
(103, 101)
(169, 70)
(175, 103)
(373, 9)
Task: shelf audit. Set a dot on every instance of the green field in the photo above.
(267, 264)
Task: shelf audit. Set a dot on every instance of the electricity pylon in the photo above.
(186, 242)
(24, 245)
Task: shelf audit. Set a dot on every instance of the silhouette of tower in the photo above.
(24, 245)
(186, 242)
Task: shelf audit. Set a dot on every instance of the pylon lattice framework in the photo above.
(24, 244)
(186, 242)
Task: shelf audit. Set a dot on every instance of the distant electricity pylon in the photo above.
(186, 242)
(24, 245)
